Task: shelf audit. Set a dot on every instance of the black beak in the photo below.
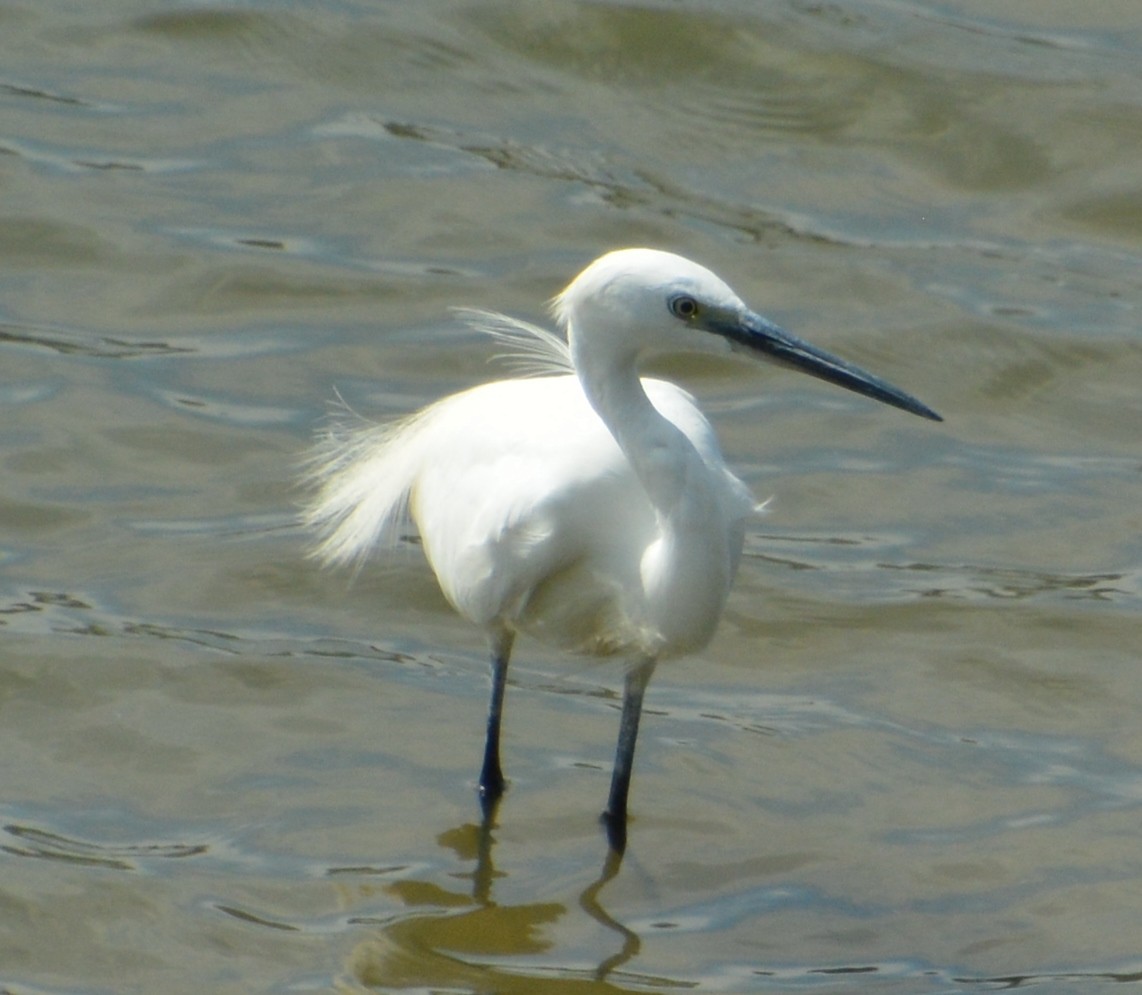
(758, 335)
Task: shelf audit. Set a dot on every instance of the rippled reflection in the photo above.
(464, 938)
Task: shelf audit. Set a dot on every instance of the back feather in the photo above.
(362, 474)
(530, 351)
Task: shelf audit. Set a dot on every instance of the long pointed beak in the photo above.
(759, 335)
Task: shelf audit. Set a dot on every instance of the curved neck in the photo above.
(659, 453)
(686, 571)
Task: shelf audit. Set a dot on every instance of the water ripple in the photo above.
(32, 841)
(81, 342)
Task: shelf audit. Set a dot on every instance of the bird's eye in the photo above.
(684, 307)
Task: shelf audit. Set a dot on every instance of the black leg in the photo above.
(491, 773)
(615, 815)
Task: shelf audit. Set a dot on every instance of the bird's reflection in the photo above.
(462, 938)
(589, 903)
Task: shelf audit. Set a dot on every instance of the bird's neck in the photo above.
(656, 449)
(687, 570)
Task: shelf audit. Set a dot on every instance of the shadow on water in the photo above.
(466, 940)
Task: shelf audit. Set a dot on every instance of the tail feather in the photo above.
(361, 477)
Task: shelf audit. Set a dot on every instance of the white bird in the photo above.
(588, 506)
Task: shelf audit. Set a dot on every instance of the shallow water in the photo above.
(910, 761)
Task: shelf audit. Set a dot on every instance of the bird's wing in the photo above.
(523, 480)
(472, 468)
(529, 350)
(361, 474)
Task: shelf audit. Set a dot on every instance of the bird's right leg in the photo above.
(615, 815)
(491, 773)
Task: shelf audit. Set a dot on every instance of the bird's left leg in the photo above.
(491, 773)
(615, 815)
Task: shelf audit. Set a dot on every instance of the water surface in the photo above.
(909, 762)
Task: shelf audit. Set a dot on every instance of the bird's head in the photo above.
(634, 303)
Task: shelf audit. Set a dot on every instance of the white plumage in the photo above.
(585, 505)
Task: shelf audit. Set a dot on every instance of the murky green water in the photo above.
(911, 760)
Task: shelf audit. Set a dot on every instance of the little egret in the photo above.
(587, 505)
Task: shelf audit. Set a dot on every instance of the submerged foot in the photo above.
(615, 826)
(490, 789)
